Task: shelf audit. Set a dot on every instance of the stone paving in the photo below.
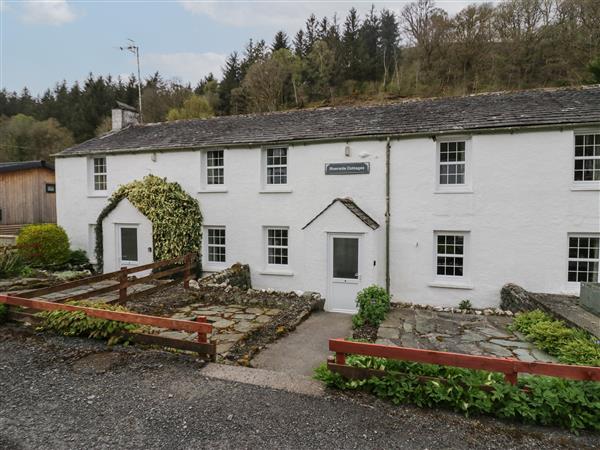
(455, 332)
(230, 322)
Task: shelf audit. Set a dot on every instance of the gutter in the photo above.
(368, 137)
(387, 214)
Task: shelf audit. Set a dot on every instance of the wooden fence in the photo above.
(185, 264)
(509, 367)
(199, 326)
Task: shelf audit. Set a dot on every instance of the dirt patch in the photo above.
(98, 363)
(367, 332)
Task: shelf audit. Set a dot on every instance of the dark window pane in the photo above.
(129, 247)
(345, 258)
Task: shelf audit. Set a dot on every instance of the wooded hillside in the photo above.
(420, 52)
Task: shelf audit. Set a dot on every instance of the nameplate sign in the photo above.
(355, 168)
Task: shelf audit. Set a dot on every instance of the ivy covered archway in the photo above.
(175, 216)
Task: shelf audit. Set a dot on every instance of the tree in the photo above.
(25, 138)
(195, 107)
(300, 44)
(232, 77)
(280, 42)
(351, 45)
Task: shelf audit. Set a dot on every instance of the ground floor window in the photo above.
(216, 244)
(584, 258)
(450, 254)
(277, 246)
(128, 244)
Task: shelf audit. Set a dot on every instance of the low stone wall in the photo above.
(516, 299)
(236, 275)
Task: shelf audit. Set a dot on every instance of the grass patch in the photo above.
(569, 345)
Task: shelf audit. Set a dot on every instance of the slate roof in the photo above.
(24, 165)
(451, 114)
(353, 208)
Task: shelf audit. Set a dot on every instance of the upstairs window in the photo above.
(99, 171)
(215, 167)
(584, 258)
(276, 165)
(277, 246)
(587, 157)
(452, 163)
(450, 255)
(216, 245)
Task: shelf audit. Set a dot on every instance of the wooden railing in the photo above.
(509, 367)
(199, 326)
(186, 264)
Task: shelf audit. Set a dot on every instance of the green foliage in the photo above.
(550, 401)
(594, 68)
(195, 107)
(11, 262)
(3, 313)
(465, 304)
(373, 304)
(175, 216)
(77, 323)
(78, 258)
(569, 345)
(44, 245)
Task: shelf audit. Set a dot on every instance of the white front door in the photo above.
(127, 246)
(343, 272)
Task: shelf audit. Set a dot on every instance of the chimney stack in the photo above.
(123, 116)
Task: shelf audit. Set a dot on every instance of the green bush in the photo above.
(44, 245)
(77, 323)
(373, 304)
(11, 262)
(569, 345)
(3, 313)
(549, 401)
(465, 304)
(78, 258)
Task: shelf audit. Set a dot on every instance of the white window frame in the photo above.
(581, 259)
(267, 246)
(264, 170)
(119, 227)
(465, 187)
(207, 245)
(452, 281)
(99, 174)
(583, 184)
(204, 186)
(91, 167)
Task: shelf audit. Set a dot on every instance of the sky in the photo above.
(45, 41)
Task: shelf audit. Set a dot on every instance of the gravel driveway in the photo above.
(60, 392)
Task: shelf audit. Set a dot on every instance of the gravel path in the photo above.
(60, 392)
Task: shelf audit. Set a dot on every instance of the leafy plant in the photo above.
(465, 304)
(78, 258)
(3, 313)
(175, 216)
(549, 401)
(373, 304)
(569, 345)
(43, 245)
(77, 323)
(11, 262)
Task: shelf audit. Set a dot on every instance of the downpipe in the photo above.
(387, 215)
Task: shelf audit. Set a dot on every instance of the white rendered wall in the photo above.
(517, 216)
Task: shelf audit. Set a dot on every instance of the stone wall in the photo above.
(516, 299)
(236, 275)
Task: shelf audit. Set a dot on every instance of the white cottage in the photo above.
(440, 200)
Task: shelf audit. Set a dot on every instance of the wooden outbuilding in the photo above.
(27, 195)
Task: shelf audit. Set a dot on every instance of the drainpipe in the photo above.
(387, 215)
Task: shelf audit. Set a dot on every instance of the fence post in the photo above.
(511, 377)
(187, 271)
(123, 285)
(340, 358)
(201, 336)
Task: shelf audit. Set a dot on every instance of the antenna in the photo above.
(135, 49)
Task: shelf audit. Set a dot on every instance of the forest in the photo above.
(420, 52)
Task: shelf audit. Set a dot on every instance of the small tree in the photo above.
(195, 107)
(43, 245)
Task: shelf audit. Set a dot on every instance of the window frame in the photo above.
(452, 281)
(208, 245)
(583, 184)
(99, 174)
(266, 166)
(50, 188)
(120, 226)
(465, 187)
(267, 246)
(577, 259)
(207, 168)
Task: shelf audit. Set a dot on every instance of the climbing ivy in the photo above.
(175, 216)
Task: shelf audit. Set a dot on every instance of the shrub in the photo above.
(569, 345)
(11, 262)
(77, 323)
(465, 304)
(3, 313)
(43, 245)
(549, 401)
(78, 258)
(373, 304)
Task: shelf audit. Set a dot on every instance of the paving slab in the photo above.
(307, 347)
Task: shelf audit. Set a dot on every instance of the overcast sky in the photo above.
(45, 41)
